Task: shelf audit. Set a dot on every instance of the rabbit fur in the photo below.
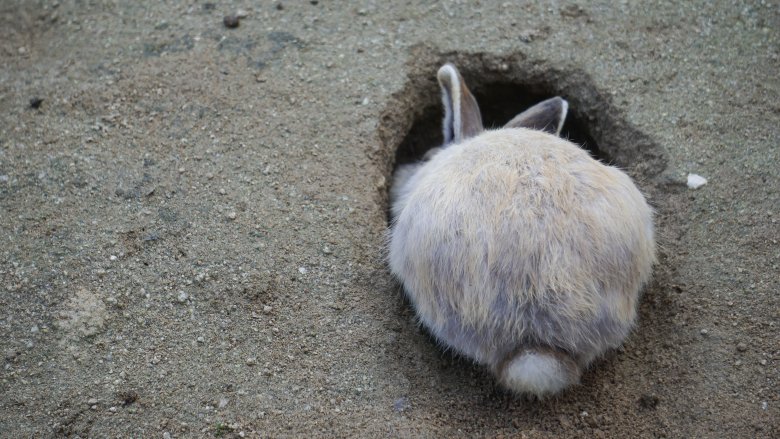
(516, 248)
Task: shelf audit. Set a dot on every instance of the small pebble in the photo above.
(267, 309)
(200, 339)
(742, 347)
(182, 297)
(704, 332)
(696, 181)
(251, 361)
(302, 270)
(92, 401)
(223, 402)
(381, 183)
(327, 250)
(231, 21)
(166, 435)
(231, 215)
(763, 362)
(36, 102)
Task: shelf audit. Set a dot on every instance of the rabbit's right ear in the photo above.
(461, 112)
(547, 116)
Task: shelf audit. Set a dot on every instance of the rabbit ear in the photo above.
(547, 116)
(461, 112)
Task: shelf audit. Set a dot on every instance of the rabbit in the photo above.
(515, 247)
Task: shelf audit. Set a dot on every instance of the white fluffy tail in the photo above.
(538, 371)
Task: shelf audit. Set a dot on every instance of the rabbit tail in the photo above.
(538, 371)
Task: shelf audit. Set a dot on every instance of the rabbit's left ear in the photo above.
(547, 116)
(461, 112)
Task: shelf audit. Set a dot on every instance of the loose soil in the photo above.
(193, 215)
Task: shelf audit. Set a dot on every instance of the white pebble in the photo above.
(696, 181)
(303, 270)
(183, 296)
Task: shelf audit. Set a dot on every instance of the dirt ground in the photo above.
(193, 216)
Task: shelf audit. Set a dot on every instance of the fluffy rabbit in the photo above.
(516, 248)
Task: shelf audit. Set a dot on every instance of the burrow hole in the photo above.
(411, 125)
(504, 87)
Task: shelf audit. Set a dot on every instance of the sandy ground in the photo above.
(192, 218)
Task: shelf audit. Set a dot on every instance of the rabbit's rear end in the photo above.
(519, 250)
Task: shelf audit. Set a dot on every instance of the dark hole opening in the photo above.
(499, 103)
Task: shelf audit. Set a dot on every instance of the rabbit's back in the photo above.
(516, 234)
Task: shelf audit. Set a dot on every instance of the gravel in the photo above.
(291, 122)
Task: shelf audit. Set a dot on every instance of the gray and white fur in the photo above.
(516, 248)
